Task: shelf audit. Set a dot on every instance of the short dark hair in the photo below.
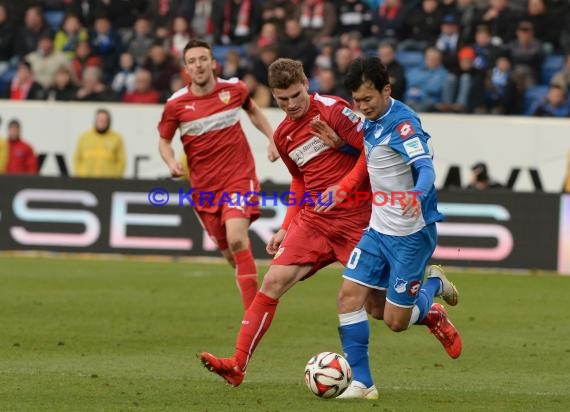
(285, 72)
(366, 69)
(14, 122)
(193, 43)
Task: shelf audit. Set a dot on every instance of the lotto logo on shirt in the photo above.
(405, 129)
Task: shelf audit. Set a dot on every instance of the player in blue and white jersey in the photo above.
(392, 255)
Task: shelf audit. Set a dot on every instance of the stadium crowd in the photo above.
(457, 56)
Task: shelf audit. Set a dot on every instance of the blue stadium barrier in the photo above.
(410, 59)
(219, 52)
(552, 63)
(532, 95)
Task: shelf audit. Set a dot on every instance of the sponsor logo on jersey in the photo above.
(288, 137)
(414, 288)
(405, 129)
(400, 285)
(353, 117)
(414, 147)
(191, 106)
(308, 150)
(224, 96)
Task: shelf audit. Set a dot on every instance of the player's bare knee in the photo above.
(274, 285)
(347, 302)
(396, 325)
(236, 245)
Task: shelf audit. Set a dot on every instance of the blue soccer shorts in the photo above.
(392, 263)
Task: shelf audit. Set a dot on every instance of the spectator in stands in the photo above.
(7, 36)
(180, 36)
(562, 78)
(3, 153)
(139, 39)
(554, 104)
(235, 21)
(268, 36)
(100, 151)
(486, 52)
(353, 15)
(92, 88)
(448, 41)
(143, 92)
(501, 19)
(232, 65)
(318, 20)
(467, 12)
(342, 60)
(527, 56)
(24, 86)
(176, 84)
(260, 94)
(387, 54)
(45, 61)
(542, 21)
(501, 92)
(425, 83)
(161, 65)
(480, 179)
(63, 88)
(70, 34)
(421, 26)
(21, 156)
(388, 20)
(297, 45)
(29, 34)
(164, 12)
(267, 55)
(106, 43)
(327, 83)
(462, 90)
(124, 80)
(276, 11)
(84, 57)
(324, 59)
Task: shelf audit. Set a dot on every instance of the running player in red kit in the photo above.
(308, 240)
(220, 161)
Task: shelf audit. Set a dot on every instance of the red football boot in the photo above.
(227, 368)
(442, 328)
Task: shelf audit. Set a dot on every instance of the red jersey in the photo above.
(219, 156)
(21, 158)
(313, 162)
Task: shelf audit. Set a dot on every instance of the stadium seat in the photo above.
(532, 95)
(552, 64)
(410, 59)
(219, 52)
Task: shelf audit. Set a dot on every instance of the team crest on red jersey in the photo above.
(224, 96)
(405, 129)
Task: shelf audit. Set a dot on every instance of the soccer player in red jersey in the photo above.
(207, 113)
(308, 240)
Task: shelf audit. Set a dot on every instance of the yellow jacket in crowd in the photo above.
(3, 155)
(100, 155)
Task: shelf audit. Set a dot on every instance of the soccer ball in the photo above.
(327, 374)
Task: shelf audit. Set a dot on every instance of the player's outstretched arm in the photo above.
(259, 120)
(167, 154)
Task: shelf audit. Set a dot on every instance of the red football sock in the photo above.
(246, 276)
(255, 323)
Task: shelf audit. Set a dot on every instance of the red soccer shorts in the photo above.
(214, 222)
(317, 240)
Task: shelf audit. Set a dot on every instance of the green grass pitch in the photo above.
(122, 335)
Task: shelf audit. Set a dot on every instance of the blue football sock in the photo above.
(428, 291)
(354, 333)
